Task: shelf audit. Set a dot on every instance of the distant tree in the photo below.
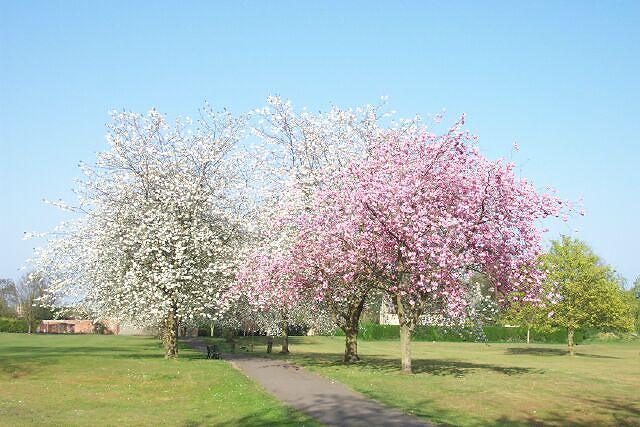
(527, 312)
(633, 296)
(7, 287)
(588, 291)
(634, 302)
(636, 287)
(27, 293)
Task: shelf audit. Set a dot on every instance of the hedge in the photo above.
(8, 324)
(220, 332)
(375, 332)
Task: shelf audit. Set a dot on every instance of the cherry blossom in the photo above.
(420, 214)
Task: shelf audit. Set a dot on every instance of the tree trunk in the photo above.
(570, 341)
(351, 345)
(170, 335)
(528, 335)
(406, 327)
(350, 328)
(212, 326)
(29, 327)
(405, 345)
(285, 338)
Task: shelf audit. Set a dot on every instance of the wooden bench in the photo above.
(212, 352)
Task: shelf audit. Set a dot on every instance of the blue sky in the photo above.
(560, 78)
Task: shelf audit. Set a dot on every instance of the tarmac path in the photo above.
(330, 402)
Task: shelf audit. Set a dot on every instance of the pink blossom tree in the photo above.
(298, 153)
(265, 281)
(269, 283)
(333, 274)
(421, 213)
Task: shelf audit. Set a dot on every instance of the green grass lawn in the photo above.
(56, 380)
(473, 384)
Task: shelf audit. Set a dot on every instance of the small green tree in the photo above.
(588, 291)
(633, 296)
(636, 287)
(528, 313)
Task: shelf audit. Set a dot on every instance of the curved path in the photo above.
(330, 402)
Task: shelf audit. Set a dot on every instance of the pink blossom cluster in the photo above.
(415, 218)
(419, 215)
(266, 281)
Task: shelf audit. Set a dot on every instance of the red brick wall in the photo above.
(66, 327)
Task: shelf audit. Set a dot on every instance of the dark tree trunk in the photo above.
(570, 341)
(351, 345)
(285, 338)
(170, 334)
(350, 328)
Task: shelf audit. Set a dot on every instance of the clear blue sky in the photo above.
(561, 78)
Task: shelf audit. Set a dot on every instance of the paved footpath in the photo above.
(329, 402)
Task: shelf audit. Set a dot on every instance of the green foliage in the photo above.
(589, 292)
(100, 327)
(5, 309)
(205, 332)
(229, 335)
(371, 312)
(13, 325)
(633, 298)
(634, 302)
(376, 332)
(528, 314)
(636, 288)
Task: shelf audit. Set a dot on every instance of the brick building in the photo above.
(66, 326)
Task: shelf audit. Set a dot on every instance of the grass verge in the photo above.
(474, 384)
(54, 380)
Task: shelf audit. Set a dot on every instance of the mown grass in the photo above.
(474, 384)
(57, 380)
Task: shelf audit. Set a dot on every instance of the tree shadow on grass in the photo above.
(439, 367)
(39, 352)
(17, 361)
(383, 364)
(621, 413)
(259, 419)
(14, 370)
(20, 361)
(546, 351)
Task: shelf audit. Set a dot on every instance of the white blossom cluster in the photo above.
(159, 221)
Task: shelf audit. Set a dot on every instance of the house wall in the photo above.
(67, 326)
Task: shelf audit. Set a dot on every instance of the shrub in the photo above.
(376, 332)
(13, 325)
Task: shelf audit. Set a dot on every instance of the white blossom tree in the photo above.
(159, 222)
